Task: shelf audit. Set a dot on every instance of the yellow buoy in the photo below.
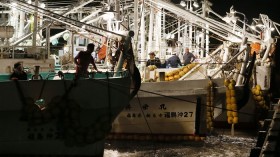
(230, 120)
(171, 78)
(181, 73)
(232, 93)
(229, 113)
(235, 120)
(176, 77)
(226, 82)
(196, 138)
(257, 92)
(259, 98)
(228, 100)
(233, 107)
(227, 93)
(191, 137)
(232, 81)
(228, 106)
(234, 114)
(202, 138)
(258, 87)
(232, 100)
(231, 86)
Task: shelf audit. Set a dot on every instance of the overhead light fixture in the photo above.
(272, 28)
(54, 41)
(66, 36)
(260, 23)
(195, 4)
(43, 5)
(108, 14)
(231, 10)
(253, 25)
(229, 18)
(183, 3)
(168, 35)
(14, 4)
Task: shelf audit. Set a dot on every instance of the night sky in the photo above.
(251, 8)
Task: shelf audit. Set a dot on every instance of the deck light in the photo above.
(195, 4)
(260, 23)
(183, 3)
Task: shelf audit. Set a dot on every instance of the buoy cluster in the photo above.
(259, 97)
(178, 73)
(232, 114)
(155, 137)
(209, 106)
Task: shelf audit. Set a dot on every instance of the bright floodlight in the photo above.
(183, 3)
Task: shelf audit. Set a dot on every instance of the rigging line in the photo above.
(205, 63)
(109, 96)
(151, 132)
(42, 89)
(66, 18)
(140, 106)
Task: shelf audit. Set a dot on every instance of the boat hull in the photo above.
(59, 117)
(178, 108)
(169, 108)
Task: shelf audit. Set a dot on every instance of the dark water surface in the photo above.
(222, 144)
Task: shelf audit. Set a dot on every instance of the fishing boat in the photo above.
(214, 91)
(54, 113)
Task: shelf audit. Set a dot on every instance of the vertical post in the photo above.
(151, 28)
(142, 30)
(136, 28)
(72, 38)
(35, 25)
(244, 64)
(21, 24)
(118, 17)
(48, 40)
(158, 30)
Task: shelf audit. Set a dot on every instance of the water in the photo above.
(220, 145)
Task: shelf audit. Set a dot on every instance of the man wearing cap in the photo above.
(153, 60)
(18, 73)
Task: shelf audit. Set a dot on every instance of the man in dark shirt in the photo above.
(188, 57)
(153, 60)
(174, 61)
(82, 60)
(18, 73)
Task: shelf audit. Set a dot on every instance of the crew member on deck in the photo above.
(82, 61)
(174, 61)
(18, 73)
(153, 60)
(188, 57)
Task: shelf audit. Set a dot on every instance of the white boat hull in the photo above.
(168, 108)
